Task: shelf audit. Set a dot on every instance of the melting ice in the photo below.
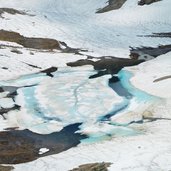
(71, 97)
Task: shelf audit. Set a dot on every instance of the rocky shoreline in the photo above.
(20, 146)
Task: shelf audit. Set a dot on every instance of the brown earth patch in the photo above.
(15, 149)
(27, 42)
(152, 51)
(93, 167)
(20, 146)
(6, 168)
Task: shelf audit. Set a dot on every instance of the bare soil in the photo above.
(6, 168)
(20, 146)
(27, 42)
(93, 167)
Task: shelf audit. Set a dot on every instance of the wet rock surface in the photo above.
(23, 146)
(93, 167)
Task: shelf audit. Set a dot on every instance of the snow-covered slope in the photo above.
(77, 24)
(125, 118)
(151, 71)
(147, 151)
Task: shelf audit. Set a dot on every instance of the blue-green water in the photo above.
(138, 94)
(123, 88)
(130, 93)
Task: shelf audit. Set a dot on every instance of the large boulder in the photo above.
(147, 2)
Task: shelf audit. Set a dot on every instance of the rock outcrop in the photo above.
(11, 11)
(147, 52)
(147, 2)
(6, 168)
(29, 42)
(93, 167)
(112, 5)
(106, 65)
